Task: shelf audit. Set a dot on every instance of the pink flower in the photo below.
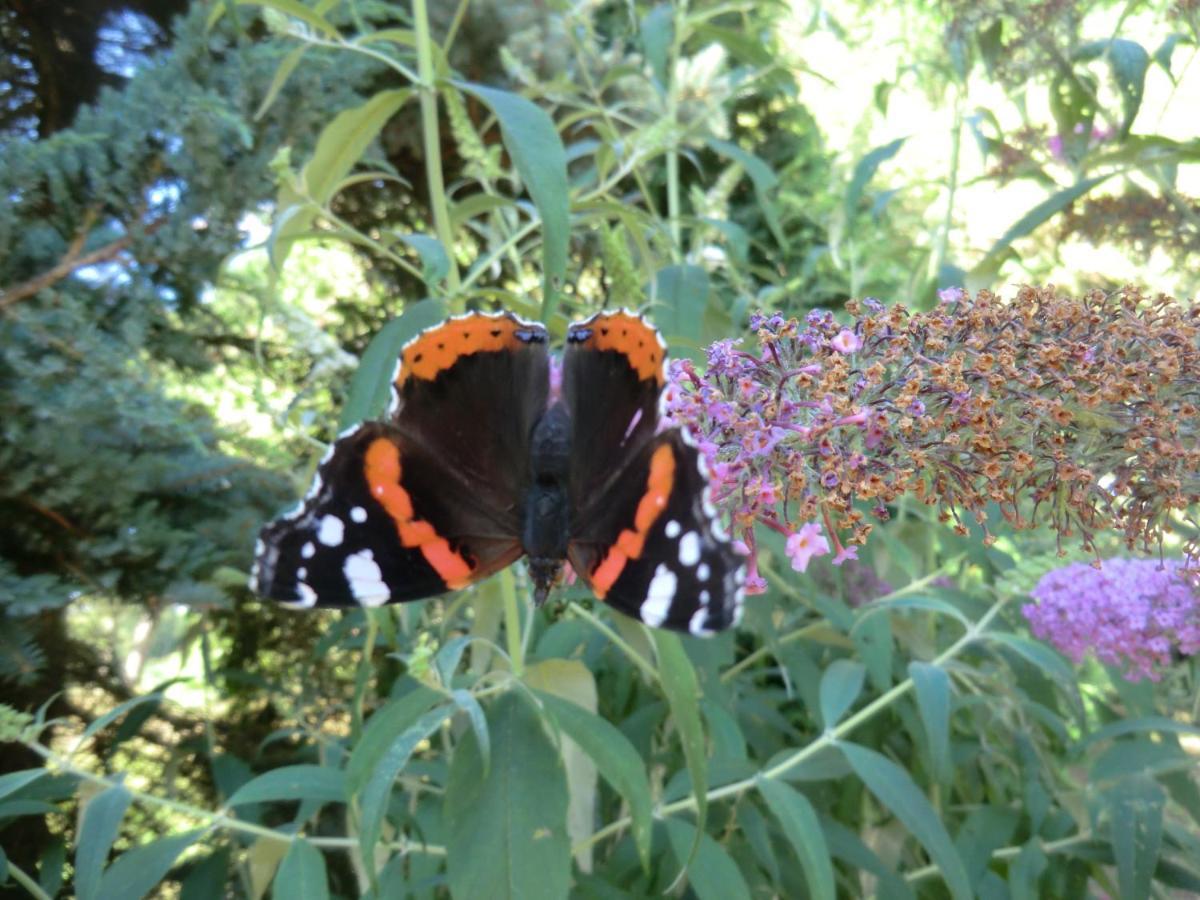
(805, 544)
(755, 584)
(846, 341)
(950, 294)
(844, 553)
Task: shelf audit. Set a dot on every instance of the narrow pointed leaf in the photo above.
(136, 872)
(895, 789)
(101, 822)
(932, 686)
(840, 686)
(301, 874)
(537, 151)
(615, 757)
(377, 792)
(678, 680)
(802, 828)
(304, 782)
(712, 874)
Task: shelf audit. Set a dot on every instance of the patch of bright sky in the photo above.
(880, 49)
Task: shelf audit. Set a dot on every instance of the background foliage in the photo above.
(219, 229)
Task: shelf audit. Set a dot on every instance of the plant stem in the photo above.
(828, 739)
(1047, 847)
(636, 658)
(512, 622)
(943, 240)
(673, 205)
(431, 140)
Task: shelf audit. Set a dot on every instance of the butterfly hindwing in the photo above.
(366, 533)
(660, 553)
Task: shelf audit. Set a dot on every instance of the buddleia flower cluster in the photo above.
(1131, 613)
(1077, 413)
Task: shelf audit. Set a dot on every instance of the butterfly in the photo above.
(490, 451)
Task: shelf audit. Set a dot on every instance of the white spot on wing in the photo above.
(703, 571)
(689, 549)
(365, 579)
(673, 529)
(302, 573)
(331, 531)
(698, 623)
(658, 599)
(358, 514)
(308, 597)
(308, 550)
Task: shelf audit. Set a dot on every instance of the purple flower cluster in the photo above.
(1130, 613)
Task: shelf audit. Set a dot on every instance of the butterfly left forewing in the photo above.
(430, 500)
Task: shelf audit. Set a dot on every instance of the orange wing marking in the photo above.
(382, 470)
(630, 542)
(631, 336)
(436, 350)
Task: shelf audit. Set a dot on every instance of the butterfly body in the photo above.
(482, 460)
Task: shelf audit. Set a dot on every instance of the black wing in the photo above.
(644, 535)
(430, 500)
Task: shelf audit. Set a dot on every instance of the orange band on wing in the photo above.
(382, 469)
(632, 337)
(440, 348)
(631, 542)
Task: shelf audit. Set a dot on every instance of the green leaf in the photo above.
(136, 872)
(301, 874)
(340, 146)
(1135, 808)
(377, 792)
(101, 822)
(293, 8)
(1140, 755)
(909, 602)
(381, 731)
(932, 686)
(506, 831)
(841, 684)
(658, 31)
(895, 789)
(1128, 62)
(678, 680)
(1162, 56)
(1047, 209)
(371, 386)
(536, 149)
(865, 170)
(712, 874)
(304, 782)
(1024, 872)
(803, 830)
(206, 879)
(435, 262)
(282, 73)
(15, 781)
(116, 712)
(615, 758)
(466, 701)
(763, 178)
(679, 298)
(1135, 726)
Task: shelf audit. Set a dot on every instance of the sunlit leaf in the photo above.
(303, 782)
(98, 829)
(841, 684)
(301, 874)
(712, 874)
(136, 872)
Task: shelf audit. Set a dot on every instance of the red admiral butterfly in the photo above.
(483, 459)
